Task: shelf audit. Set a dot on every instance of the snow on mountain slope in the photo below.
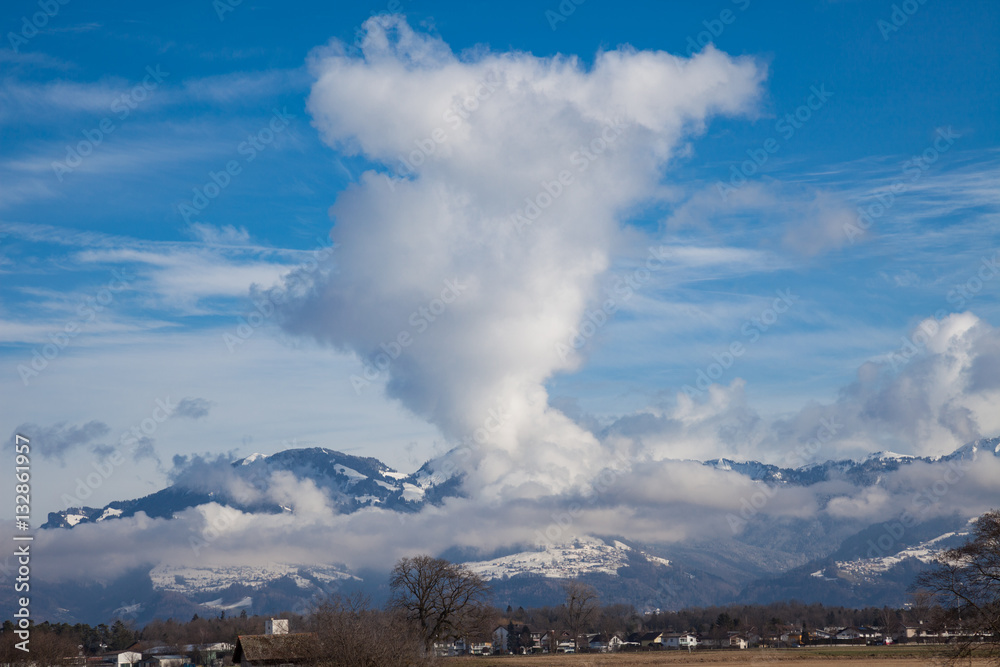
(975, 449)
(888, 456)
(72, 518)
(352, 482)
(350, 474)
(349, 482)
(925, 552)
(127, 610)
(195, 580)
(867, 471)
(219, 605)
(585, 555)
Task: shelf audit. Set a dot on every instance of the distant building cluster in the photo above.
(279, 646)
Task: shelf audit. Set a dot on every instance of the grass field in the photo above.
(894, 656)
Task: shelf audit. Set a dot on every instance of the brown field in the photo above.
(889, 656)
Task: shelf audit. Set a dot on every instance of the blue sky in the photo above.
(113, 257)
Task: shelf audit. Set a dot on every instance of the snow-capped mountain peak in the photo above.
(888, 456)
(252, 459)
(972, 449)
(350, 483)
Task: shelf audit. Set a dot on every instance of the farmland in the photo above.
(880, 656)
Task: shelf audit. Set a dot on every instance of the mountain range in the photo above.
(350, 482)
(843, 562)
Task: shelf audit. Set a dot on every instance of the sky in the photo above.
(556, 231)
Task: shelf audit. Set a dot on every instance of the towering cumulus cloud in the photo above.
(472, 249)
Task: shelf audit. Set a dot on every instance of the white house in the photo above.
(165, 660)
(481, 648)
(125, 658)
(566, 647)
(209, 652)
(500, 638)
(528, 640)
(853, 634)
(276, 626)
(682, 640)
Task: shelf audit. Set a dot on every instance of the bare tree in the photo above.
(443, 600)
(966, 581)
(617, 619)
(581, 605)
(46, 648)
(351, 634)
(891, 623)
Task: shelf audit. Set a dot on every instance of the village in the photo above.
(278, 644)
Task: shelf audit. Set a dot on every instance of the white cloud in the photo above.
(21, 99)
(245, 86)
(176, 277)
(660, 503)
(224, 235)
(27, 101)
(482, 138)
(809, 220)
(934, 393)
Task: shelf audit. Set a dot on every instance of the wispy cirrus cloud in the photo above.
(165, 279)
(246, 87)
(28, 100)
(32, 101)
(33, 59)
(225, 235)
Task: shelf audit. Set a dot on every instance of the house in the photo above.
(292, 649)
(276, 626)
(738, 641)
(849, 635)
(481, 648)
(545, 642)
(126, 658)
(164, 660)
(681, 640)
(500, 635)
(565, 642)
(444, 649)
(525, 639)
(647, 639)
(464, 646)
(924, 635)
(602, 643)
(276, 647)
(202, 654)
(791, 637)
